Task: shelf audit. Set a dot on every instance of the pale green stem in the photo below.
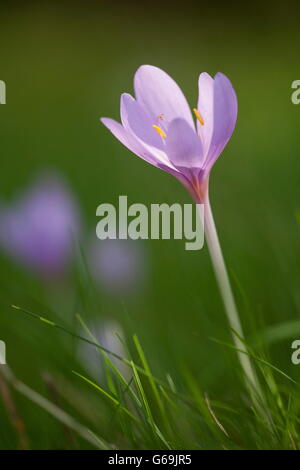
(228, 298)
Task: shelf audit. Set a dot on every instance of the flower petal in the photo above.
(160, 96)
(183, 146)
(127, 139)
(137, 121)
(206, 109)
(225, 114)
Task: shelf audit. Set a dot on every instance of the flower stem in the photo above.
(228, 299)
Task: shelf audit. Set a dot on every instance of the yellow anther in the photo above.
(198, 116)
(160, 131)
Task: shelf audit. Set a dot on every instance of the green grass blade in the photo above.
(149, 375)
(114, 400)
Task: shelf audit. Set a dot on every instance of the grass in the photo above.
(147, 412)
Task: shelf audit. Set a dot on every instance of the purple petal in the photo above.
(127, 139)
(225, 114)
(160, 96)
(206, 109)
(183, 146)
(137, 121)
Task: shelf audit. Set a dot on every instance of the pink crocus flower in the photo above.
(117, 265)
(39, 227)
(158, 125)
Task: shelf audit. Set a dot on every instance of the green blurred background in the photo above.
(65, 65)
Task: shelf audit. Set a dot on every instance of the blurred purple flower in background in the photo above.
(118, 265)
(38, 229)
(109, 335)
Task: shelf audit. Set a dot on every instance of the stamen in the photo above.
(198, 116)
(160, 131)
